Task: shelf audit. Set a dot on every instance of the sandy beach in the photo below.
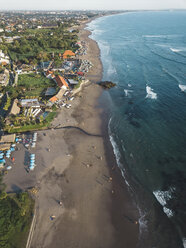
(77, 167)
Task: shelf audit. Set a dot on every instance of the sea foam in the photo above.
(150, 93)
(162, 197)
(182, 87)
(184, 242)
(117, 154)
(175, 50)
(127, 92)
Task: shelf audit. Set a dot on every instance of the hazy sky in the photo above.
(87, 4)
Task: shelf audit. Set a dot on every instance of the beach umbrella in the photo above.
(2, 161)
(9, 167)
(31, 167)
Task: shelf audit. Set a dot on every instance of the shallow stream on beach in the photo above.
(145, 54)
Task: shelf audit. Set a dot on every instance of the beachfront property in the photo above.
(27, 103)
(61, 82)
(58, 96)
(68, 54)
(9, 138)
(73, 82)
(6, 141)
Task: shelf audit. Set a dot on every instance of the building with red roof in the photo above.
(68, 54)
(61, 82)
(53, 99)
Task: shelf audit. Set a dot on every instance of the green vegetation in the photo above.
(78, 85)
(38, 45)
(34, 85)
(7, 104)
(15, 219)
(25, 128)
(44, 124)
(50, 117)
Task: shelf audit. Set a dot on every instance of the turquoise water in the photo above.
(145, 54)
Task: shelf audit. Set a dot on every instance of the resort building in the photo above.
(27, 103)
(73, 82)
(10, 138)
(53, 99)
(68, 54)
(61, 82)
(6, 141)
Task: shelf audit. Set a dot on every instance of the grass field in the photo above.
(35, 85)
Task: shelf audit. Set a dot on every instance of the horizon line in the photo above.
(73, 10)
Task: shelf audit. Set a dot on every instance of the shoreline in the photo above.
(123, 206)
(97, 209)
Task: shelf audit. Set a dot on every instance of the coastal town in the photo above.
(41, 70)
(48, 70)
(35, 86)
(92, 124)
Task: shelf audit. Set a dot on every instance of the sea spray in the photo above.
(163, 197)
(150, 93)
(182, 87)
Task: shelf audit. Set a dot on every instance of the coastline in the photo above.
(97, 208)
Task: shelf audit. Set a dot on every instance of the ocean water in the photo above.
(144, 53)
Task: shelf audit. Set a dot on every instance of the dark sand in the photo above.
(95, 212)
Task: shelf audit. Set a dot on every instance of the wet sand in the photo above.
(81, 172)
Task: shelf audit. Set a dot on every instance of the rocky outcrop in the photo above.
(107, 84)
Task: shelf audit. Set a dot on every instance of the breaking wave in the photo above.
(184, 242)
(150, 93)
(162, 197)
(117, 153)
(127, 92)
(175, 50)
(161, 36)
(182, 87)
